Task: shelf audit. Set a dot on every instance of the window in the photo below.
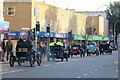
(11, 11)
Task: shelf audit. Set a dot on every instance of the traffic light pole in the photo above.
(35, 32)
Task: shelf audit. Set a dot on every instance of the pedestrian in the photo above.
(9, 47)
(3, 50)
(41, 49)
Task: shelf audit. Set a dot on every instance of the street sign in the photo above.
(37, 12)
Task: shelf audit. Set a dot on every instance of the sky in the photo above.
(80, 5)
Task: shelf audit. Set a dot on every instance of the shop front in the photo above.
(4, 28)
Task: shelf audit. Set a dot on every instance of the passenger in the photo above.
(19, 43)
(28, 44)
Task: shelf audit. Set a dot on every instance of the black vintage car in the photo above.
(105, 48)
(24, 53)
(56, 52)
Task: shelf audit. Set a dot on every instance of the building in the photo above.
(99, 19)
(94, 13)
(4, 26)
(21, 15)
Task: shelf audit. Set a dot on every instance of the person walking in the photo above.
(9, 47)
(3, 50)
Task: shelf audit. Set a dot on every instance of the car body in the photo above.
(92, 48)
(75, 50)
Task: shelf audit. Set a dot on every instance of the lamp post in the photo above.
(101, 7)
(114, 28)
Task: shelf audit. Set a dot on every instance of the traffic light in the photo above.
(33, 33)
(37, 28)
(29, 33)
(70, 35)
(48, 29)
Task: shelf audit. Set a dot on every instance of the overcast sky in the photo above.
(81, 5)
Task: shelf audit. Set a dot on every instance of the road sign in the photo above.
(37, 12)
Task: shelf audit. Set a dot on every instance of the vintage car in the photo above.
(92, 49)
(57, 52)
(75, 50)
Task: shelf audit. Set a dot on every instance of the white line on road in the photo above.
(78, 77)
(60, 62)
(116, 70)
(13, 71)
(3, 69)
(85, 74)
(74, 60)
(37, 67)
(46, 65)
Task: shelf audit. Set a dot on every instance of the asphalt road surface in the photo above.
(103, 66)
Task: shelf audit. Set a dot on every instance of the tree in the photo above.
(86, 35)
(113, 15)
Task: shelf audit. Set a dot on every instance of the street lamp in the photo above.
(101, 7)
(114, 28)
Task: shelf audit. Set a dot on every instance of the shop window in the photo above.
(11, 11)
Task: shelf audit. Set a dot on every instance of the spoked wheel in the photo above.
(19, 62)
(61, 59)
(11, 61)
(48, 56)
(39, 60)
(31, 60)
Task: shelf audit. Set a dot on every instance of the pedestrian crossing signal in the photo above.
(37, 28)
(48, 29)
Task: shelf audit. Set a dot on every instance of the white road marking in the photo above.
(116, 70)
(46, 65)
(74, 60)
(115, 62)
(78, 77)
(85, 74)
(60, 62)
(13, 71)
(37, 67)
(3, 69)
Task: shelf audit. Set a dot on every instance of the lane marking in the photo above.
(116, 70)
(78, 77)
(13, 71)
(46, 65)
(60, 62)
(37, 67)
(115, 62)
(85, 74)
(74, 60)
(3, 69)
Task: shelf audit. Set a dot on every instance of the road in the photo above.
(103, 66)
